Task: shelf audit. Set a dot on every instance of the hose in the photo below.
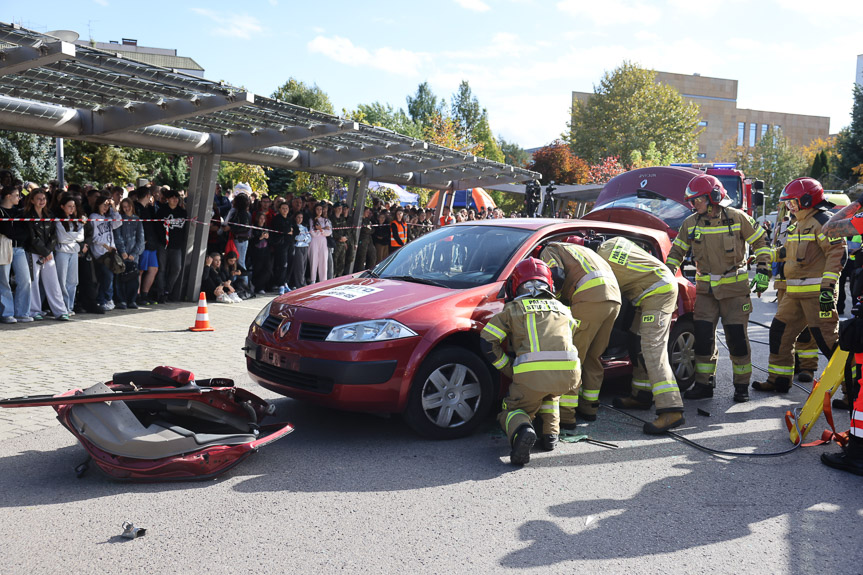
(706, 449)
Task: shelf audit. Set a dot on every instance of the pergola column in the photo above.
(199, 205)
(357, 195)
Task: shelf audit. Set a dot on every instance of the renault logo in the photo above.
(284, 328)
(643, 183)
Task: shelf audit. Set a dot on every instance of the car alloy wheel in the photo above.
(681, 353)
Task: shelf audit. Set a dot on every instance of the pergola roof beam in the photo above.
(246, 141)
(138, 115)
(330, 157)
(383, 170)
(22, 58)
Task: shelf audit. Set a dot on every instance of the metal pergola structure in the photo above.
(59, 89)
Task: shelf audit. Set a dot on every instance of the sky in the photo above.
(522, 58)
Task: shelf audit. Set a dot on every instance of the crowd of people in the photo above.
(81, 249)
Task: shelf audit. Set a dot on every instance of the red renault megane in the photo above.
(404, 337)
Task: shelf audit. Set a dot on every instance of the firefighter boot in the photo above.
(643, 400)
(568, 426)
(522, 442)
(699, 391)
(664, 422)
(805, 377)
(741, 392)
(781, 385)
(584, 416)
(548, 442)
(850, 459)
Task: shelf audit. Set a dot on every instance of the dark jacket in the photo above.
(210, 280)
(281, 231)
(176, 229)
(241, 233)
(42, 236)
(18, 232)
(154, 232)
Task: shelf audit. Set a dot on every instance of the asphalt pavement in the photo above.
(361, 493)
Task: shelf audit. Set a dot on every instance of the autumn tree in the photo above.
(627, 111)
(296, 92)
(233, 173)
(557, 163)
(513, 154)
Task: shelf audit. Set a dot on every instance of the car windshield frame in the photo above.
(456, 257)
(669, 211)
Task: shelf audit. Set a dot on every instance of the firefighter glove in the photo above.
(826, 300)
(761, 281)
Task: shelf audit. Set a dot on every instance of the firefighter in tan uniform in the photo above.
(545, 363)
(718, 235)
(651, 288)
(585, 282)
(813, 263)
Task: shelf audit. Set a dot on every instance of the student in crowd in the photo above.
(148, 263)
(260, 254)
(237, 223)
(129, 238)
(174, 216)
(282, 242)
(318, 251)
(41, 241)
(235, 273)
(302, 238)
(104, 220)
(15, 306)
(70, 238)
(381, 237)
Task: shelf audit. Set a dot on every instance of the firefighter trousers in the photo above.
(651, 371)
(734, 312)
(805, 348)
(792, 317)
(522, 404)
(595, 322)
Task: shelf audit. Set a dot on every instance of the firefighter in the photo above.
(545, 363)
(847, 223)
(651, 288)
(813, 263)
(718, 235)
(585, 282)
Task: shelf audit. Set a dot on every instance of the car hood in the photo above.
(364, 298)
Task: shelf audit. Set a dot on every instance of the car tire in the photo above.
(450, 395)
(681, 353)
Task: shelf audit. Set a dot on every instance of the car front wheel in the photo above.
(451, 393)
(681, 353)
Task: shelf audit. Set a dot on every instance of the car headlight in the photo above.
(263, 315)
(375, 330)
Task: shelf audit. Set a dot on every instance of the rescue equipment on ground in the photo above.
(163, 425)
(819, 400)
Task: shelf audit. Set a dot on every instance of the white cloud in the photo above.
(101, 2)
(393, 60)
(611, 12)
(240, 26)
(474, 5)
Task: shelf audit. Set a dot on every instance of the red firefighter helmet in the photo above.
(577, 240)
(807, 191)
(708, 186)
(529, 270)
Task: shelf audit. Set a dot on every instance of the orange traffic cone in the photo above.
(202, 321)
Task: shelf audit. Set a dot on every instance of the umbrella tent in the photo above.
(404, 196)
(472, 198)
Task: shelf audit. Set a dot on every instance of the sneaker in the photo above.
(281, 290)
(132, 305)
(71, 313)
(38, 316)
(261, 292)
(121, 305)
(224, 298)
(62, 317)
(104, 307)
(235, 298)
(23, 319)
(109, 305)
(8, 319)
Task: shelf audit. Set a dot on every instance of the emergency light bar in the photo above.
(708, 166)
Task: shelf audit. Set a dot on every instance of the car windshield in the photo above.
(669, 211)
(455, 257)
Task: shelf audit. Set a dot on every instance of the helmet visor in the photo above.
(532, 288)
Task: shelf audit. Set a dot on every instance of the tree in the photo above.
(91, 163)
(627, 111)
(772, 159)
(557, 163)
(30, 157)
(295, 92)
(604, 170)
(513, 154)
(233, 173)
(424, 106)
(471, 123)
(650, 158)
(385, 116)
(850, 144)
(165, 169)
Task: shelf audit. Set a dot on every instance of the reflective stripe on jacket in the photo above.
(812, 260)
(642, 278)
(588, 277)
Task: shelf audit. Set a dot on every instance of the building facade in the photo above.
(723, 121)
(164, 57)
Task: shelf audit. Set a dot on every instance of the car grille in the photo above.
(314, 332)
(271, 323)
(290, 378)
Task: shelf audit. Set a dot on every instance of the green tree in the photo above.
(30, 157)
(850, 144)
(513, 154)
(772, 159)
(385, 116)
(818, 168)
(627, 111)
(233, 173)
(424, 105)
(91, 163)
(165, 169)
(295, 92)
(471, 123)
(279, 180)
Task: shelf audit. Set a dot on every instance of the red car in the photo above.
(404, 337)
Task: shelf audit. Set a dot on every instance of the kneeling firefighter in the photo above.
(543, 363)
(717, 235)
(813, 263)
(585, 282)
(651, 288)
